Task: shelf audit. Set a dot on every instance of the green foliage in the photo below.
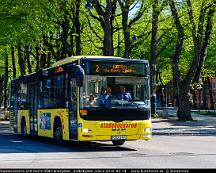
(27, 22)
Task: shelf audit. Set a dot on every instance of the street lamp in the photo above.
(88, 5)
(134, 39)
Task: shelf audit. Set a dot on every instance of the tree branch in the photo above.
(94, 30)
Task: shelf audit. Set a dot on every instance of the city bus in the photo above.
(76, 100)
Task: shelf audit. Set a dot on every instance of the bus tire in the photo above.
(118, 143)
(23, 128)
(58, 133)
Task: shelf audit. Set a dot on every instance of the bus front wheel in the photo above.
(118, 143)
(58, 133)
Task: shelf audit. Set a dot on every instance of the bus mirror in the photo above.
(80, 74)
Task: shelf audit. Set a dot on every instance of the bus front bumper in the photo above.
(146, 136)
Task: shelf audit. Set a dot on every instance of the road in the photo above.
(160, 152)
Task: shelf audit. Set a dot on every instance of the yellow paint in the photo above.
(62, 114)
(95, 131)
(89, 130)
(26, 115)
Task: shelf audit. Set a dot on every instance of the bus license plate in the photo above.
(118, 138)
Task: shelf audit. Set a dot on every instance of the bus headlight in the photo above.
(147, 130)
(147, 135)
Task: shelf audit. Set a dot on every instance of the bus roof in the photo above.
(95, 58)
(68, 60)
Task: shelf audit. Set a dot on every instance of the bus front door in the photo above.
(72, 106)
(33, 108)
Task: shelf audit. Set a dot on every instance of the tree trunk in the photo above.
(38, 57)
(210, 93)
(106, 17)
(127, 23)
(71, 48)
(126, 29)
(195, 95)
(183, 86)
(184, 109)
(1, 89)
(127, 51)
(49, 56)
(21, 61)
(153, 58)
(204, 47)
(64, 39)
(204, 106)
(78, 28)
(43, 61)
(5, 82)
(13, 62)
(27, 57)
(108, 38)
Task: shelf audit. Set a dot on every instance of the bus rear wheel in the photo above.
(118, 143)
(58, 134)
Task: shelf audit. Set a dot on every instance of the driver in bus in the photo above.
(109, 97)
(123, 94)
(101, 99)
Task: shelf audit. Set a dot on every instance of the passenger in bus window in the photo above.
(92, 102)
(108, 95)
(123, 94)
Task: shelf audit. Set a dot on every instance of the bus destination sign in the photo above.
(118, 68)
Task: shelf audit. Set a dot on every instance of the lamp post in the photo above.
(88, 5)
(134, 39)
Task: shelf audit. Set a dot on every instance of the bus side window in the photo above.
(59, 91)
(40, 95)
(22, 96)
(47, 92)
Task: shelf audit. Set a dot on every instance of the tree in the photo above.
(106, 16)
(129, 21)
(5, 97)
(13, 61)
(156, 10)
(201, 41)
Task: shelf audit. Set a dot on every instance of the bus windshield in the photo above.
(114, 93)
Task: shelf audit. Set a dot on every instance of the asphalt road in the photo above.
(160, 152)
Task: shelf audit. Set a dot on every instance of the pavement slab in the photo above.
(202, 125)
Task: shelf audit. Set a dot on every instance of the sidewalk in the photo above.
(202, 125)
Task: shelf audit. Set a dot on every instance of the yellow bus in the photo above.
(84, 98)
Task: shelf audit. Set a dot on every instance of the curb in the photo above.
(183, 134)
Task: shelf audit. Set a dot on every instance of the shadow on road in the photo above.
(11, 143)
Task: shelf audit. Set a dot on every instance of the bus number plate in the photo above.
(118, 138)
